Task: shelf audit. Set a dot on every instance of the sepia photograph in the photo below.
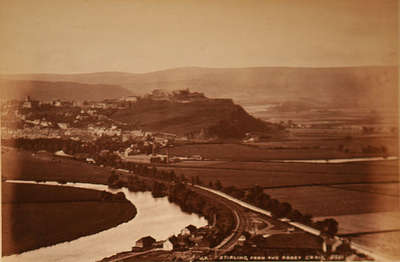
(188, 130)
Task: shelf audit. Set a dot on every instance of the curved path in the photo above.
(151, 218)
(240, 220)
(305, 228)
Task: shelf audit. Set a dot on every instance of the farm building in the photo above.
(145, 242)
(164, 245)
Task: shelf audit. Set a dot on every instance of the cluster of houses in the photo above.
(149, 243)
(190, 238)
(178, 96)
(29, 103)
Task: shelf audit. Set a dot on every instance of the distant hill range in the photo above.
(47, 90)
(331, 87)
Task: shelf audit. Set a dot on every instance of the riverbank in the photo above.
(35, 216)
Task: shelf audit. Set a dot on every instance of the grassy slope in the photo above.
(42, 90)
(183, 118)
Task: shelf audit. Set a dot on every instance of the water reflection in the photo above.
(155, 216)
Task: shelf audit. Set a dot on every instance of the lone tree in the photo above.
(329, 226)
(112, 178)
(198, 181)
(218, 185)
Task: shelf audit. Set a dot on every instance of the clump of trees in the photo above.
(257, 197)
(107, 196)
(179, 193)
(327, 226)
(158, 189)
(193, 202)
(102, 150)
(374, 149)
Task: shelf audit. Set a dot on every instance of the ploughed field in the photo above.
(386, 243)
(273, 174)
(362, 196)
(338, 200)
(36, 215)
(294, 146)
(331, 190)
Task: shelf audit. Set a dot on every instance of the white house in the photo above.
(90, 160)
(185, 232)
(62, 125)
(164, 245)
(61, 153)
(130, 99)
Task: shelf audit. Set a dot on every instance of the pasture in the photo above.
(334, 201)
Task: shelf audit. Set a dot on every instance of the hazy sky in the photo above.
(139, 36)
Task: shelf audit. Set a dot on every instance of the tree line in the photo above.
(179, 193)
(257, 197)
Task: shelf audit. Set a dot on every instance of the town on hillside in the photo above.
(209, 157)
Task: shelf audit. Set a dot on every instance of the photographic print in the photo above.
(187, 130)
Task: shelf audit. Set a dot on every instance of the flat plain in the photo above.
(384, 243)
(333, 201)
(272, 174)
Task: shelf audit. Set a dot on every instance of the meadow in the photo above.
(273, 174)
(384, 243)
(334, 201)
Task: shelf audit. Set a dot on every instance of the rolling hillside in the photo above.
(45, 90)
(333, 87)
(213, 118)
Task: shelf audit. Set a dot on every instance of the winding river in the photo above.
(155, 216)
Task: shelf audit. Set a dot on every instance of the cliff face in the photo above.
(210, 118)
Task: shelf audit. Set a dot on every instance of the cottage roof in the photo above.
(191, 228)
(147, 238)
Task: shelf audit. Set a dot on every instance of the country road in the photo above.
(238, 211)
(237, 206)
(240, 220)
(375, 255)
